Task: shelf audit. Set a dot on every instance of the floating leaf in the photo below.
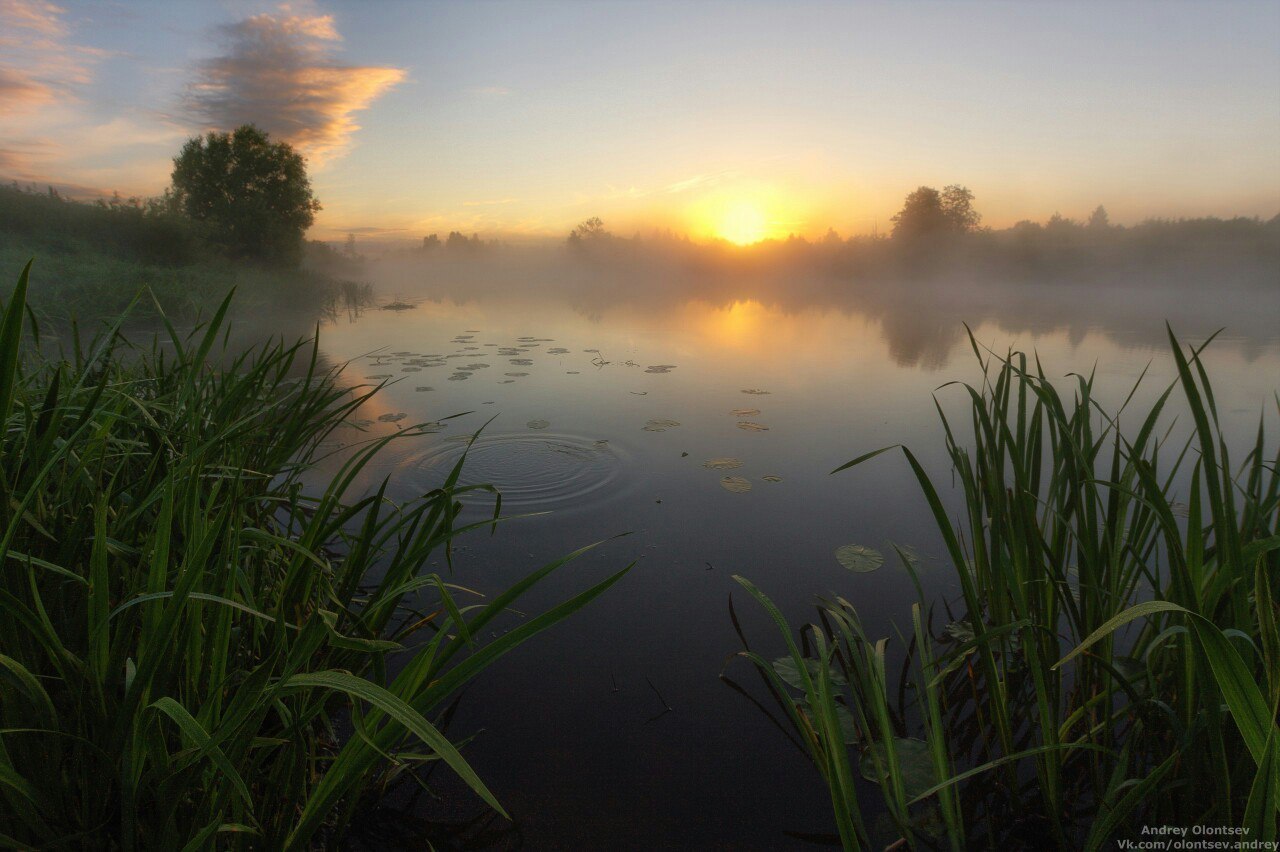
(392, 418)
(748, 426)
(915, 765)
(516, 375)
(772, 477)
(786, 669)
(660, 425)
(745, 412)
(858, 558)
(756, 391)
(423, 389)
(722, 464)
(660, 368)
(538, 424)
(736, 484)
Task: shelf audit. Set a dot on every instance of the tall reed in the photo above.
(197, 650)
(1115, 659)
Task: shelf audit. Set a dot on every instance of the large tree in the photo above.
(927, 211)
(252, 193)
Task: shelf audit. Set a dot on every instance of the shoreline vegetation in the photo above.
(94, 259)
(200, 652)
(1112, 660)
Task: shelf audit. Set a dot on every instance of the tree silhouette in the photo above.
(921, 214)
(957, 206)
(927, 211)
(252, 194)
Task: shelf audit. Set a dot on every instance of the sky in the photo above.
(741, 120)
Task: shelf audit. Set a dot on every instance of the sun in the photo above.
(743, 223)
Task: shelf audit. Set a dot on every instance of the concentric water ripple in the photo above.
(540, 471)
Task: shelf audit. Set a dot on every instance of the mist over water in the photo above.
(701, 412)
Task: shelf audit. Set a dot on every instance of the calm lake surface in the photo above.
(605, 412)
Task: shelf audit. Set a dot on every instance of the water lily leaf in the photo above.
(748, 426)
(786, 669)
(538, 424)
(756, 391)
(915, 764)
(722, 464)
(771, 477)
(858, 558)
(736, 484)
(392, 418)
(660, 425)
(745, 412)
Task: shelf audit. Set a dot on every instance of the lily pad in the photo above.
(748, 426)
(521, 362)
(786, 669)
(745, 412)
(423, 389)
(559, 350)
(380, 376)
(755, 391)
(722, 464)
(771, 477)
(915, 764)
(516, 375)
(736, 484)
(660, 425)
(660, 368)
(859, 559)
(392, 418)
(538, 424)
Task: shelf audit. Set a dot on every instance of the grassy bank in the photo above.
(199, 652)
(1113, 659)
(95, 258)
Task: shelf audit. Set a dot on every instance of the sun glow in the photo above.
(743, 223)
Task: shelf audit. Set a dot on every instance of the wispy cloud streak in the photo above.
(38, 64)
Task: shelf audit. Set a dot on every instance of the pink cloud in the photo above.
(280, 72)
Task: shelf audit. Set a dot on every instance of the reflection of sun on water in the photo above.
(743, 223)
(737, 326)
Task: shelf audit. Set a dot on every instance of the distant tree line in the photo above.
(941, 231)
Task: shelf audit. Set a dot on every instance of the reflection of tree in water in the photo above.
(921, 318)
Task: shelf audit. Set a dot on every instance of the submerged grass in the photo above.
(1116, 659)
(198, 652)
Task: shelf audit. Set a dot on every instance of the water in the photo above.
(706, 427)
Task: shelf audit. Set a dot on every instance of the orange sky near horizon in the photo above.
(716, 120)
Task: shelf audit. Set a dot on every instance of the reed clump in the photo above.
(198, 652)
(1113, 658)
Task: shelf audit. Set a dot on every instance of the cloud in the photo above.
(39, 65)
(33, 16)
(281, 73)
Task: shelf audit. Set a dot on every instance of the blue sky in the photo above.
(527, 117)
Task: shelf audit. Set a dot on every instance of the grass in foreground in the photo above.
(186, 628)
(1115, 662)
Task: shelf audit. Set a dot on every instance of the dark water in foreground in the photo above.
(627, 418)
